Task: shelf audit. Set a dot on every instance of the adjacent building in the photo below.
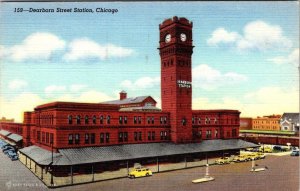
(290, 122)
(266, 123)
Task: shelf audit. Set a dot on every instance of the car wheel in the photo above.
(147, 174)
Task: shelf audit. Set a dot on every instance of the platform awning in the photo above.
(15, 137)
(4, 133)
(88, 155)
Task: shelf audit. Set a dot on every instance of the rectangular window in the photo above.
(43, 137)
(47, 137)
(107, 137)
(153, 135)
(140, 119)
(140, 136)
(77, 139)
(125, 136)
(87, 139)
(148, 120)
(135, 120)
(193, 120)
(216, 133)
(92, 138)
(149, 136)
(121, 137)
(120, 120)
(165, 120)
(161, 120)
(70, 139)
(135, 136)
(152, 120)
(125, 119)
(161, 135)
(101, 137)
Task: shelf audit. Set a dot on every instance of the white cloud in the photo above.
(77, 87)
(35, 46)
(85, 48)
(141, 83)
(53, 89)
(292, 58)
(17, 84)
(257, 35)
(257, 103)
(209, 78)
(220, 35)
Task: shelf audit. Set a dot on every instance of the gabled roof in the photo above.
(290, 117)
(131, 100)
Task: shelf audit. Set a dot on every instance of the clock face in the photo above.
(183, 37)
(168, 38)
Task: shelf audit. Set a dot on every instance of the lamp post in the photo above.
(51, 181)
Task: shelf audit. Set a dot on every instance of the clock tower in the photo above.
(175, 49)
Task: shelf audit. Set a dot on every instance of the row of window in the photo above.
(266, 122)
(47, 119)
(89, 138)
(122, 119)
(208, 134)
(44, 137)
(198, 120)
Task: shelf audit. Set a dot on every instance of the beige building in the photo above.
(267, 123)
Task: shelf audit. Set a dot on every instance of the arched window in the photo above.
(108, 119)
(86, 119)
(78, 118)
(70, 119)
(94, 119)
(101, 119)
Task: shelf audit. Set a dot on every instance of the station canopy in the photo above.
(87, 155)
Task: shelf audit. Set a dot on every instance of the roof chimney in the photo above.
(123, 95)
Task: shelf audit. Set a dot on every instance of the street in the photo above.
(282, 174)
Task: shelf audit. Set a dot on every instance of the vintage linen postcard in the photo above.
(94, 95)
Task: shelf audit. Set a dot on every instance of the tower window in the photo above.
(101, 119)
(108, 119)
(70, 119)
(86, 119)
(78, 118)
(94, 119)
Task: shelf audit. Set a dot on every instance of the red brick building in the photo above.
(76, 131)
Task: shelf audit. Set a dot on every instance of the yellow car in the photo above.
(265, 149)
(139, 172)
(223, 160)
(240, 158)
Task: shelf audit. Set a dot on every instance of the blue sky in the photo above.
(245, 57)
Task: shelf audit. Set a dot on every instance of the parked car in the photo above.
(223, 160)
(6, 147)
(140, 172)
(8, 150)
(240, 158)
(279, 148)
(14, 157)
(295, 153)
